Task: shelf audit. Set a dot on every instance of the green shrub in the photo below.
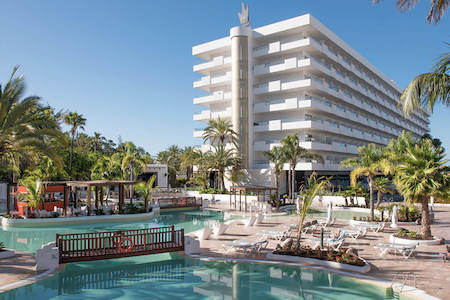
(2, 245)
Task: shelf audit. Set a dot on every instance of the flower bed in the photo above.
(345, 256)
(410, 235)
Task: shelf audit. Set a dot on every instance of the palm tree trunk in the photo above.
(426, 229)
(289, 181)
(277, 184)
(71, 155)
(293, 183)
(372, 196)
(379, 197)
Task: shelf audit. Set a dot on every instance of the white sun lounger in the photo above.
(259, 219)
(274, 234)
(204, 234)
(250, 221)
(355, 233)
(220, 229)
(334, 243)
(248, 246)
(405, 250)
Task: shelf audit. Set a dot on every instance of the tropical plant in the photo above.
(145, 190)
(219, 132)
(223, 159)
(187, 161)
(292, 152)
(33, 195)
(25, 125)
(383, 186)
(437, 8)
(426, 89)
(76, 121)
(278, 159)
(423, 173)
(97, 142)
(171, 157)
(308, 192)
(368, 164)
(203, 162)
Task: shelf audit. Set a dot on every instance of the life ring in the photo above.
(125, 249)
(116, 235)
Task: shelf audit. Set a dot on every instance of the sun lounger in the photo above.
(334, 243)
(259, 219)
(204, 234)
(405, 250)
(248, 247)
(275, 234)
(220, 229)
(250, 221)
(355, 233)
(325, 222)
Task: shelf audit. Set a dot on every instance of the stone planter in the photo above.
(319, 262)
(397, 240)
(7, 254)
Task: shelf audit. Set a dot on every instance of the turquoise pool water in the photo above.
(31, 239)
(168, 276)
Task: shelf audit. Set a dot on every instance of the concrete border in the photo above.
(7, 253)
(397, 240)
(329, 264)
(6, 222)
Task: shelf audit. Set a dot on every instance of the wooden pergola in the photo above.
(244, 189)
(70, 186)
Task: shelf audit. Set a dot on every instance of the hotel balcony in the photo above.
(208, 82)
(332, 147)
(214, 98)
(301, 166)
(198, 133)
(206, 115)
(217, 63)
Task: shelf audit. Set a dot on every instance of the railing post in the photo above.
(182, 238)
(59, 247)
(173, 233)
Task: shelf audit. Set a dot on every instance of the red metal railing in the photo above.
(105, 245)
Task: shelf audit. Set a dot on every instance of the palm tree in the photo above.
(203, 162)
(187, 159)
(25, 125)
(220, 132)
(383, 186)
(426, 89)
(368, 164)
(171, 157)
(315, 187)
(76, 121)
(97, 141)
(145, 190)
(437, 8)
(278, 159)
(292, 152)
(133, 163)
(222, 160)
(423, 173)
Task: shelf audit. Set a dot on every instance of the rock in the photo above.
(287, 243)
(47, 258)
(191, 245)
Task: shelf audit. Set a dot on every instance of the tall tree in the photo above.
(427, 89)
(423, 173)
(97, 142)
(223, 159)
(187, 161)
(76, 121)
(437, 8)
(278, 159)
(219, 132)
(383, 186)
(368, 164)
(292, 151)
(26, 127)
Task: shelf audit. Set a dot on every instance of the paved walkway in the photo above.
(431, 273)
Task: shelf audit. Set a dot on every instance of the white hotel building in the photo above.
(296, 76)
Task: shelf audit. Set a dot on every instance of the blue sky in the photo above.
(127, 65)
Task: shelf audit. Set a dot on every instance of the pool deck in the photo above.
(432, 274)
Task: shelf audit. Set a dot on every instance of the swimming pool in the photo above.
(168, 276)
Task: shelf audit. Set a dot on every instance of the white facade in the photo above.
(302, 79)
(161, 173)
